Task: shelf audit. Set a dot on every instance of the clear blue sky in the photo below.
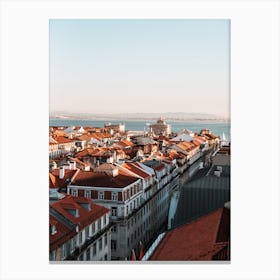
(128, 66)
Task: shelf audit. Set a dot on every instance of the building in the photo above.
(115, 128)
(79, 230)
(222, 157)
(118, 190)
(206, 191)
(60, 146)
(160, 128)
(138, 198)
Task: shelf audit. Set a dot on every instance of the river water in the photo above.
(218, 128)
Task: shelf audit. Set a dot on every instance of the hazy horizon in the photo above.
(128, 66)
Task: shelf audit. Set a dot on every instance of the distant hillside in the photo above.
(172, 116)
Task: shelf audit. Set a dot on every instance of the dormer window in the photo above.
(87, 193)
(77, 213)
(86, 206)
(100, 195)
(74, 192)
(53, 230)
(74, 212)
(114, 196)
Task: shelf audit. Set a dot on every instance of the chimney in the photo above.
(61, 172)
(217, 173)
(72, 165)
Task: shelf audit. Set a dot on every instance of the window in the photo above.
(87, 193)
(72, 244)
(53, 255)
(114, 196)
(113, 244)
(104, 220)
(114, 228)
(100, 195)
(128, 242)
(130, 206)
(88, 254)
(74, 192)
(87, 232)
(99, 224)
(105, 239)
(100, 244)
(105, 258)
(114, 211)
(63, 251)
(80, 238)
(128, 224)
(127, 209)
(93, 228)
(94, 249)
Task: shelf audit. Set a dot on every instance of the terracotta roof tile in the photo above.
(159, 167)
(194, 241)
(62, 234)
(101, 179)
(56, 182)
(136, 169)
(85, 217)
(63, 140)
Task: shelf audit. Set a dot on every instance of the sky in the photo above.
(107, 66)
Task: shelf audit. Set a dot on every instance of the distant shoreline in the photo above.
(199, 120)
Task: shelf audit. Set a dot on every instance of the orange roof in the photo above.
(101, 179)
(85, 217)
(124, 143)
(136, 169)
(63, 140)
(159, 167)
(84, 137)
(84, 152)
(198, 240)
(56, 182)
(62, 234)
(186, 146)
(200, 138)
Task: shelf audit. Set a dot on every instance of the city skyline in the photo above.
(129, 66)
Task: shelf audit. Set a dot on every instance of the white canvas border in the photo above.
(255, 137)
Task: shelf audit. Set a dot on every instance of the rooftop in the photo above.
(85, 216)
(103, 179)
(202, 239)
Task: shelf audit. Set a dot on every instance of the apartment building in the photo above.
(137, 196)
(79, 230)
